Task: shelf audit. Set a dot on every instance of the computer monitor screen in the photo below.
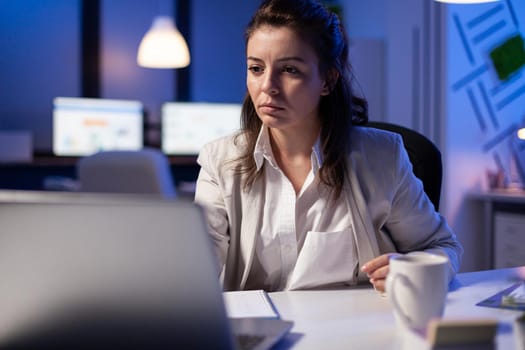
(83, 126)
(187, 126)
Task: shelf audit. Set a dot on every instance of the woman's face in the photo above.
(283, 78)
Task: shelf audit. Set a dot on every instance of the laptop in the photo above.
(101, 271)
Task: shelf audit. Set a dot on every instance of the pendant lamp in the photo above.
(163, 46)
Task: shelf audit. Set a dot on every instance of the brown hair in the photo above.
(339, 110)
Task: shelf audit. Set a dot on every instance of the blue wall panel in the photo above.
(40, 48)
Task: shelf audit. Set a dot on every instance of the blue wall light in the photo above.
(465, 1)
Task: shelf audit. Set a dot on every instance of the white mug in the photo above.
(417, 287)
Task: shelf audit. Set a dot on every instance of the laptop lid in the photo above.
(98, 271)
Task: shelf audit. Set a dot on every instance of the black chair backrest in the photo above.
(424, 156)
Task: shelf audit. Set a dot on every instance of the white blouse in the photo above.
(306, 240)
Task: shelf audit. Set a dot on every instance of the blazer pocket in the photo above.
(325, 258)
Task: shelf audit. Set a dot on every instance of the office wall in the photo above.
(40, 59)
(365, 23)
(219, 64)
(365, 19)
(482, 111)
(441, 82)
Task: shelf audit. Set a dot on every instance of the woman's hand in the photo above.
(377, 269)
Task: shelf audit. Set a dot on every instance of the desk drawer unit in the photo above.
(509, 240)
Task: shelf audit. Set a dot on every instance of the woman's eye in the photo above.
(255, 69)
(291, 70)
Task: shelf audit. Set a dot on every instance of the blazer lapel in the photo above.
(251, 226)
(367, 247)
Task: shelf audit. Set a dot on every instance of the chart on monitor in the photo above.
(83, 126)
(187, 126)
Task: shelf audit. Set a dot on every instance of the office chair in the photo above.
(146, 171)
(424, 156)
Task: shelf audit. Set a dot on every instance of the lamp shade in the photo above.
(163, 46)
(465, 1)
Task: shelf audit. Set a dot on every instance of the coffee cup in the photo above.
(417, 287)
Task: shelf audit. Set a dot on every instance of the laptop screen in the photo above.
(85, 271)
(83, 126)
(186, 127)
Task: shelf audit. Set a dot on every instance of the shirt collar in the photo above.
(263, 148)
(263, 151)
(317, 156)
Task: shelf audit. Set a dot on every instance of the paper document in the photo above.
(512, 298)
(517, 296)
(249, 303)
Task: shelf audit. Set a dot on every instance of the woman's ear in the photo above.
(331, 79)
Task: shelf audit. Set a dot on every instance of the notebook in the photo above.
(82, 270)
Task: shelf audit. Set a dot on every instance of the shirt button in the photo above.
(287, 248)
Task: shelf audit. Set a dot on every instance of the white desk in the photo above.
(363, 319)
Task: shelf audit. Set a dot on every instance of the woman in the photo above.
(302, 198)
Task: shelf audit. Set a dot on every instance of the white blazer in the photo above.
(390, 210)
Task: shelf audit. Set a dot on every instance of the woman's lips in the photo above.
(269, 109)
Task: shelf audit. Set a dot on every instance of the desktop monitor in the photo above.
(187, 126)
(83, 126)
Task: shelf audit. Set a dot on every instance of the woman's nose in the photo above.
(270, 83)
